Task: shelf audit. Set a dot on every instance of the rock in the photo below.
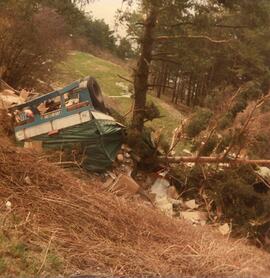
(225, 229)
(125, 185)
(120, 157)
(127, 155)
(191, 204)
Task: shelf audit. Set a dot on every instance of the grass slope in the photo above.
(58, 224)
(79, 64)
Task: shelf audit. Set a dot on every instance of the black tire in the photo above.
(96, 95)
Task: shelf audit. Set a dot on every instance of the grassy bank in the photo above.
(79, 64)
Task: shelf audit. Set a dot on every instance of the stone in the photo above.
(120, 157)
(127, 155)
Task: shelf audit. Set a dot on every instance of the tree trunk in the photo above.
(142, 72)
(160, 80)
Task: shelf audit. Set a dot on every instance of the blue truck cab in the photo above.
(77, 103)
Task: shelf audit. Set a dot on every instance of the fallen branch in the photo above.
(208, 159)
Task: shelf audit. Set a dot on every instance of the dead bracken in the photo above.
(94, 231)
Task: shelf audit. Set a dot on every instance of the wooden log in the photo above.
(208, 159)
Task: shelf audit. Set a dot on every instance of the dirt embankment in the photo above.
(92, 231)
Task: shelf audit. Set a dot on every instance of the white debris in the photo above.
(122, 85)
(27, 180)
(125, 90)
(8, 98)
(196, 217)
(8, 205)
(159, 188)
(191, 204)
(264, 172)
(185, 151)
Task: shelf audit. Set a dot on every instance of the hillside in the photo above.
(79, 64)
(53, 223)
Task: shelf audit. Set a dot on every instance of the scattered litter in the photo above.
(191, 204)
(24, 95)
(125, 90)
(264, 172)
(224, 229)
(122, 85)
(8, 98)
(127, 155)
(159, 188)
(187, 152)
(196, 217)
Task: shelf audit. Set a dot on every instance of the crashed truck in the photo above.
(74, 115)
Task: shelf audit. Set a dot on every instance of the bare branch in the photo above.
(204, 37)
(225, 26)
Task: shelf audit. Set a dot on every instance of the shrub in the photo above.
(30, 44)
(198, 122)
(235, 193)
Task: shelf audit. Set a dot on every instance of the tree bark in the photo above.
(142, 72)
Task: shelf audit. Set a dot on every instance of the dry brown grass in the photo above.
(98, 233)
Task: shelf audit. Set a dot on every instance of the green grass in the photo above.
(79, 64)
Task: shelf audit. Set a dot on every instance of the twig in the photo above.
(46, 253)
(124, 78)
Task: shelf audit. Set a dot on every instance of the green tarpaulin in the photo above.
(99, 140)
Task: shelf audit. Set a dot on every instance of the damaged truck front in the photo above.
(70, 117)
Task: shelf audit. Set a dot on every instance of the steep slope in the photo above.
(53, 223)
(79, 64)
